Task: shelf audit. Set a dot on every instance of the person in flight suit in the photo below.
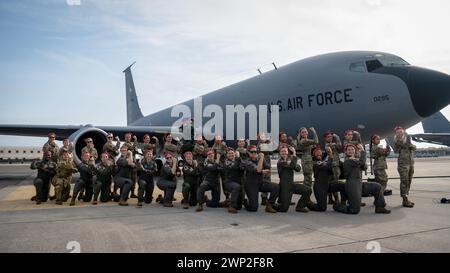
(379, 155)
(89, 148)
(255, 169)
(86, 168)
(111, 149)
(305, 145)
(405, 163)
(46, 170)
(211, 173)
(286, 166)
(167, 182)
(103, 179)
(191, 175)
(355, 188)
(125, 165)
(132, 144)
(233, 170)
(148, 170)
(324, 178)
(63, 177)
(333, 144)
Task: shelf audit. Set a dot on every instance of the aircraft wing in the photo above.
(64, 131)
(434, 138)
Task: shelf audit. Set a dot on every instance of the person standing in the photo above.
(305, 145)
(405, 163)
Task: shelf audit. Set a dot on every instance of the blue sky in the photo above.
(62, 64)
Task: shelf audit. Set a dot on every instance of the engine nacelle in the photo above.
(77, 138)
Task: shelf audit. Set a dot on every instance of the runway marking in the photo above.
(368, 240)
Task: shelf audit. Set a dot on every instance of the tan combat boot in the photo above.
(232, 210)
(406, 203)
(269, 208)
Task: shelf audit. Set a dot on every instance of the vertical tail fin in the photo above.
(437, 123)
(133, 110)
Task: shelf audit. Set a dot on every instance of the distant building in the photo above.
(10, 154)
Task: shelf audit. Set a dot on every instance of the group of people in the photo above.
(242, 173)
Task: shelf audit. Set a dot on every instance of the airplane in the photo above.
(436, 130)
(369, 91)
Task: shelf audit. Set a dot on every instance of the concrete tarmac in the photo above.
(26, 227)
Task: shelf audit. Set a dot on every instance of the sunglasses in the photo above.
(168, 157)
(252, 152)
(110, 137)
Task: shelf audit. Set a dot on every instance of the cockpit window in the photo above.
(358, 67)
(390, 60)
(373, 64)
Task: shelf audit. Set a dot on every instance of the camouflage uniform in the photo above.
(92, 151)
(379, 155)
(133, 146)
(219, 149)
(68, 148)
(305, 146)
(46, 171)
(336, 149)
(112, 150)
(267, 178)
(53, 148)
(243, 153)
(63, 178)
(405, 161)
(170, 147)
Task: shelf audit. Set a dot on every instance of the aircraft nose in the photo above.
(429, 90)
